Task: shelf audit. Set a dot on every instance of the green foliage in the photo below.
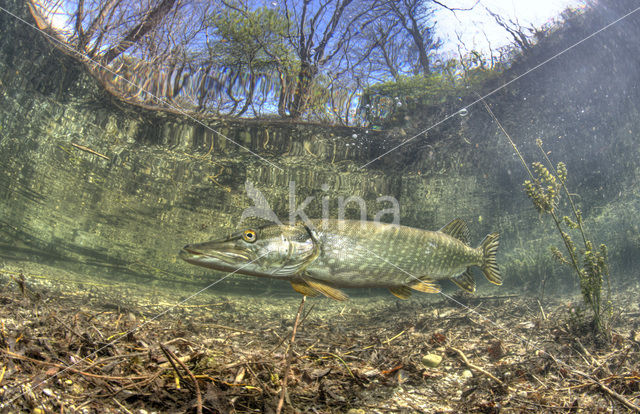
(317, 99)
(578, 320)
(387, 102)
(543, 190)
(253, 38)
(428, 89)
(257, 43)
(250, 51)
(590, 264)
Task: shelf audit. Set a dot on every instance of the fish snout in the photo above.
(190, 248)
(188, 252)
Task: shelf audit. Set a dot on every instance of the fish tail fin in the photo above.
(489, 265)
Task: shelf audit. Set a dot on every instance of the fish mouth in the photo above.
(228, 255)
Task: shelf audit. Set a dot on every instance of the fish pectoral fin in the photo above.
(457, 229)
(328, 291)
(402, 292)
(426, 286)
(465, 281)
(303, 288)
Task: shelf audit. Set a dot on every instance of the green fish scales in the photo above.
(357, 254)
(326, 255)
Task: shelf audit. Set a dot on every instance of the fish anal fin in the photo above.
(426, 286)
(465, 281)
(304, 289)
(328, 291)
(457, 229)
(402, 292)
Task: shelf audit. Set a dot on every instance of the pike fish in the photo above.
(322, 257)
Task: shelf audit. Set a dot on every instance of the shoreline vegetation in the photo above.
(355, 63)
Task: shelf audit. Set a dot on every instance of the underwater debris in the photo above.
(337, 366)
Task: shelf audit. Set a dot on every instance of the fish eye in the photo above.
(249, 236)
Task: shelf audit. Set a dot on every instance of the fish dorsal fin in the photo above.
(402, 292)
(457, 229)
(303, 288)
(465, 281)
(328, 291)
(425, 285)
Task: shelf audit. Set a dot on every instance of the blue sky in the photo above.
(476, 28)
(473, 25)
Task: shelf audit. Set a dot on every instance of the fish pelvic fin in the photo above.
(301, 287)
(402, 292)
(328, 291)
(426, 286)
(489, 265)
(465, 281)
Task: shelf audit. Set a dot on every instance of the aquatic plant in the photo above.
(590, 264)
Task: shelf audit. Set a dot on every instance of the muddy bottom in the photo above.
(68, 345)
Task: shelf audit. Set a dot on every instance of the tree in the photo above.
(309, 59)
(515, 30)
(103, 16)
(96, 21)
(413, 16)
(321, 32)
(250, 42)
(388, 48)
(150, 20)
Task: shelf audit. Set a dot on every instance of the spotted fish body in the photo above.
(326, 255)
(369, 254)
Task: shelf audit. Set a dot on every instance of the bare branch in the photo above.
(454, 9)
(151, 19)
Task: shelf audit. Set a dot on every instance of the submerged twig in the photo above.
(170, 360)
(122, 407)
(13, 355)
(475, 367)
(343, 362)
(89, 150)
(616, 396)
(603, 387)
(544, 316)
(171, 356)
(287, 365)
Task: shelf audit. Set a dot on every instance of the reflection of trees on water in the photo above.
(290, 59)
